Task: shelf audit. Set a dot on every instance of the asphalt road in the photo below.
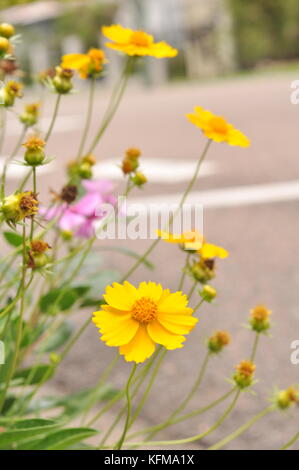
(262, 238)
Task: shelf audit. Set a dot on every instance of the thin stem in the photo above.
(255, 345)
(115, 100)
(241, 429)
(197, 437)
(88, 117)
(20, 323)
(191, 414)
(8, 160)
(198, 305)
(192, 290)
(183, 276)
(291, 441)
(129, 406)
(182, 201)
(54, 116)
(34, 192)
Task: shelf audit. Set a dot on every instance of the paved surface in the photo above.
(262, 239)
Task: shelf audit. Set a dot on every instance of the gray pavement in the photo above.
(262, 240)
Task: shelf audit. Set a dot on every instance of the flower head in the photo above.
(62, 80)
(34, 154)
(30, 114)
(190, 240)
(134, 319)
(136, 43)
(217, 128)
(285, 398)
(218, 341)
(87, 65)
(7, 30)
(259, 318)
(18, 206)
(244, 374)
(10, 92)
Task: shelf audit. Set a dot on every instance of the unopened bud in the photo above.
(218, 341)
(7, 30)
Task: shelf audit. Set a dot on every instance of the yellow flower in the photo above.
(18, 206)
(87, 65)
(208, 251)
(136, 43)
(217, 128)
(191, 240)
(134, 319)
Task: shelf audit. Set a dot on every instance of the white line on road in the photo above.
(231, 197)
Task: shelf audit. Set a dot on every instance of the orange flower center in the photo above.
(218, 124)
(141, 39)
(144, 310)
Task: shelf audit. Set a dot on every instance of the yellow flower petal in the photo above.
(117, 33)
(178, 324)
(75, 61)
(212, 251)
(150, 290)
(140, 348)
(121, 297)
(173, 303)
(116, 330)
(160, 335)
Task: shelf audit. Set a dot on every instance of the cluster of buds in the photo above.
(35, 154)
(218, 341)
(37, 257)
(259, 319)
(285, 398)
(6, 32)
(10, 92)
(62, 80)
(95, 64)
(130, 165)
(208, 293)
(30, 115)
(18, 206)
(203, 270)
(83, 169)
(243, 377)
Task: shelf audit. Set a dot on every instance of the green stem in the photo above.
(183, 276)
(34, 192)
(54, 116)
(114, 102)
(182, 201)
(129, 406)
(192, 290)
(20, 323)
(197, 437)
(241, 429)
(88, 117)
(255, 345)
(8, 160)
(291, 441)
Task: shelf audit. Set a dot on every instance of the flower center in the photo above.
(144, 310)
(141, 39)
(219, 124)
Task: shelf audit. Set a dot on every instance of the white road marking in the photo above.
(157, 170)
(231, 197)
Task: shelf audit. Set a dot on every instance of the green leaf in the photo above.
(24, 429)
(35, 374)
(58, 338)
(61, 440)
(13, 238)
(61, 299)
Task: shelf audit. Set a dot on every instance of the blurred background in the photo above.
(237, 58)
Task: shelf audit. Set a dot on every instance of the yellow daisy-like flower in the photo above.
(191, 240)
(208, 251)
(217, 128)
(87, 65)
(136, 43)
(134, 319)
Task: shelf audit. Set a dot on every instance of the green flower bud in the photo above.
(85, 171)
(7, 30)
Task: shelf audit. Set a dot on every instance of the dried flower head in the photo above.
(259, 318)
(218, 341)
(244, 375)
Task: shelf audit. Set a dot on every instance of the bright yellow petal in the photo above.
(237, 138)
(75, 61)
(116, 330)
(212, 251)
(150, 290)
(117, 33)
(177, 324)
(173, 303)
(139, 348)
(121, 297)
(160, 335)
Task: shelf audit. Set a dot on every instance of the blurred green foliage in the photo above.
(265, 29)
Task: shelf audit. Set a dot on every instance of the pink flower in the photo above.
(80, 217)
